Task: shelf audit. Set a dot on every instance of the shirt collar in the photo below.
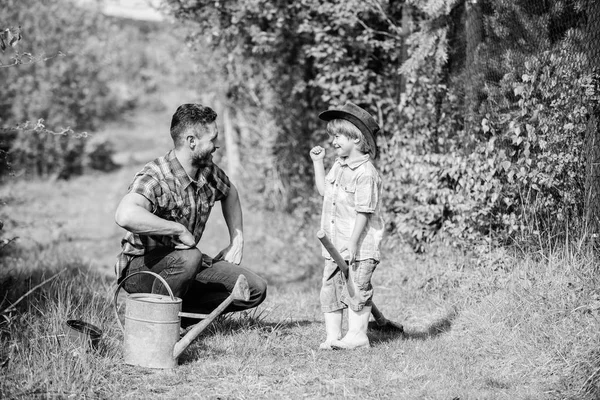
(177, 169)
(355, 162)
(183, 177)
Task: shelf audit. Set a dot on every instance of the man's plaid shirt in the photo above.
(175, 197)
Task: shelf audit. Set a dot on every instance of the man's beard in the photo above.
(202, 158)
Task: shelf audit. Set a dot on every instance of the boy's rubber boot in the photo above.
(333, 328)
(356, 337)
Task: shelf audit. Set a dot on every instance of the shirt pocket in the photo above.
(349, 191)
(329, 181)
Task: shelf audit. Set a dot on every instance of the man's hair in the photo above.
(189, 116)
(351, 131)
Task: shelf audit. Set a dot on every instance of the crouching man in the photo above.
(165, 213)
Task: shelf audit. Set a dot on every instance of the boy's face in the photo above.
(343, 145)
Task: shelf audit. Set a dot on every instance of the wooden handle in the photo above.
(333, 252)
(337, 257)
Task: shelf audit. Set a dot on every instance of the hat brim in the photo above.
(340, 114)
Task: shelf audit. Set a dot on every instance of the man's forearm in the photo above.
(232, 212)
(138, 220)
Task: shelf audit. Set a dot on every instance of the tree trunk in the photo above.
(406, 24)
(231, 146)
(473, 83)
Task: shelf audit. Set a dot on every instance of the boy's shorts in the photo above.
(334, 292)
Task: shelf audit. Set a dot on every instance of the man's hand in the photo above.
(184, 240)
(232, 253)
(317, 153)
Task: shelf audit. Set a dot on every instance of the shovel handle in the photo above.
(333, 252)
(337, 257)
(157, 276)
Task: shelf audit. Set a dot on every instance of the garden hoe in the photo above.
(382, 323)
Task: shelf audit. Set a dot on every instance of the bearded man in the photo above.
(165, 213)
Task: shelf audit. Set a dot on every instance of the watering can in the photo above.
(152, 322)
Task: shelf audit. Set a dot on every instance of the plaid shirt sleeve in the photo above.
(148, 186)
(221, 183)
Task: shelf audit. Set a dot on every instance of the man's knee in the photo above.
(188, 262)
(258, 291)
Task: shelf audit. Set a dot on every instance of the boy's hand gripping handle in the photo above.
(337, 257)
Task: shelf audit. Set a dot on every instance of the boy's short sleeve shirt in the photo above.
(175, 197)
(352, 187)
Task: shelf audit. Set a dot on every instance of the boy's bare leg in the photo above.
(333, 328)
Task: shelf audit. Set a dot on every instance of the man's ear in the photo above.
(356, 140)
(191, 141)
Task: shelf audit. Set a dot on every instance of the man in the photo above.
(165, 213)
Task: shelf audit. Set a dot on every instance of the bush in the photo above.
(99, 152)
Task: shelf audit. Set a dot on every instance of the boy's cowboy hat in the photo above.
(359, 117)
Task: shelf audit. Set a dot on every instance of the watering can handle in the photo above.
(121, 285)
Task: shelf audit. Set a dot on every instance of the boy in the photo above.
(352, 219)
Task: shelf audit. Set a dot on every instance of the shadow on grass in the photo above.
(414, 331)
(232, 325)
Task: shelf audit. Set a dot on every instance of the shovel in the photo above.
(382, 323)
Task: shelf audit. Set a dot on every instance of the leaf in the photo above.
(10, 37)
(505, 165)
(16, 36)
(519, 90)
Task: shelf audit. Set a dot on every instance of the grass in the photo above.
(494, 326)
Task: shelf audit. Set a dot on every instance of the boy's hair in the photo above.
(351, 131)
(188, 116)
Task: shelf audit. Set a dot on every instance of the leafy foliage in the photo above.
(478, 102)
(543, 155)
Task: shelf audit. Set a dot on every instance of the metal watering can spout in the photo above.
(152, 324)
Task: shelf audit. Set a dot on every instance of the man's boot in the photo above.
(333, 328)
(356, 337)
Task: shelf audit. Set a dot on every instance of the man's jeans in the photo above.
(199, 281)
